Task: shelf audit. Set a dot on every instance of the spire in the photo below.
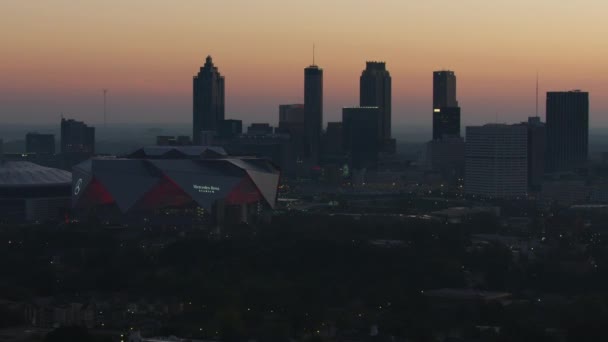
(208, 61)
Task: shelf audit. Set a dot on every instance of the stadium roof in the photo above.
(27, 174)
(178, 152)
(157, 182)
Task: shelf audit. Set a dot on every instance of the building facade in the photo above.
(313, 111)
(567, 130)
(40, 143)
(360, 134)
(446, 112)
(375, 91)
(208, 100)
(77, 137)
(496, 161)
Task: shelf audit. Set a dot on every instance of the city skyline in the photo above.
(147, 64)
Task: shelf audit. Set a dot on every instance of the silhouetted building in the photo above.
(375, 91)
(446, 113)
(291, 113)
(334, 139)
(208, 100)
(259, 129)
(567, 130)
(230, 129)
(496, 161)
(444, 89)
(446, 122)
(537, 136)
(360, 133)
(446, 156)
(40, 143)
(169, 140)
(77, 137)
(292, 122)
(313, 110)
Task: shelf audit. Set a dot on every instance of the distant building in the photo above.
(259, 129)
(334, 138)
(444, 89)
(567, 130)
(291, 113)
(447, 156)
(30, 192)
(77, 137)
(169, 140)
(40, 143)
(496, 161)
(375, 91)
(360, 136)
(446, 113)
(537, 136)
(292, 122)
(208, 100)
(230, 129)
(446, 122)
(313, 110)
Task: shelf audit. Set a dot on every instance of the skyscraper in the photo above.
(77, 137)
(360, 134)
(496, 161)
(446, 113)
(40, 143)
(444, 89)
(313, 110)
(537, 135)
(375, 91)
(567, 130)
(208, 100)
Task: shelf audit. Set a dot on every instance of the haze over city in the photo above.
(58, 56)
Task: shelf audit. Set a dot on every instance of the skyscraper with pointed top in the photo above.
(208, 100)
(313, 110)
(375, 91)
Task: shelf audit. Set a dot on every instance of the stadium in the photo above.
(175, 186)
(33, 193)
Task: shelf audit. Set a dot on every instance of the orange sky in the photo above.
(57, 55)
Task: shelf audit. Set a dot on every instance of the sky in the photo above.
(58, 55)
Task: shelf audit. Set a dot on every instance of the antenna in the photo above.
(105, 92)
(537, 93)
(313, 53)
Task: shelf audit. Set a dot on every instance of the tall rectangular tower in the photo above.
(567, 130)
(496, 161)
(208, 101)
(375, 91)
(313, 110)
(446, 113)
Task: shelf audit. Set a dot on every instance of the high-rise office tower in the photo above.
(77, 137)
(536, 152)
(292, 122)
(496, 161)
(444, 89)
(208, 101)
(313, 110)
(375, 91)
(360, 134)
(446, 113)
(39, 143)
(567, 130)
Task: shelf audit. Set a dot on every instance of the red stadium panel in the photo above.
(95, 194)
(244, 192)
(163, 195)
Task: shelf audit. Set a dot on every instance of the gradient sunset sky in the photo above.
(58, 55)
